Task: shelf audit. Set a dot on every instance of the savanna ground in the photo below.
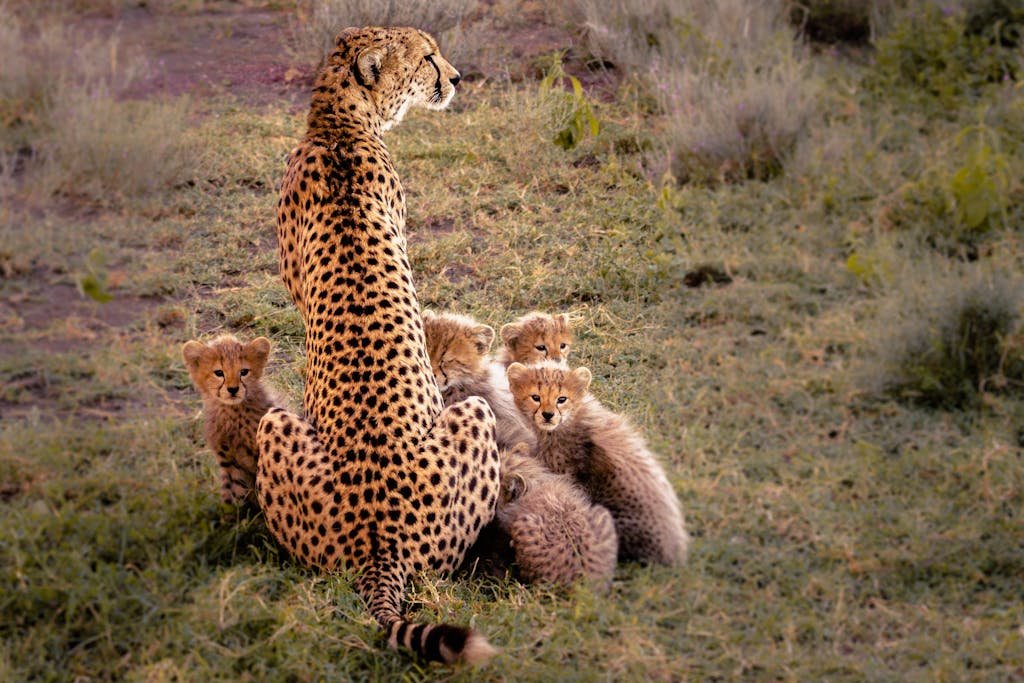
(795, 264)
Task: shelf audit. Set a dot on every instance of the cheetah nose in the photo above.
(455, 79)
(547, 416)
(233, 391)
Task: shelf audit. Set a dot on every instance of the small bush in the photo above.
(318, 23)
(107, 150)
(943, 343)
(740, 128)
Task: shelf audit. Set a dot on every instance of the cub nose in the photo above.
(233, 391)
(547, 416)
(455, 79)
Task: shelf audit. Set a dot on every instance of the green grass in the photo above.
(839, 534)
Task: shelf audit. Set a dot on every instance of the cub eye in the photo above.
(243, 372)
(535, 398)
(562, 399)
(563, 347)
(219, 373)
(541, 347)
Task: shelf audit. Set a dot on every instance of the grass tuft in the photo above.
(945, 343)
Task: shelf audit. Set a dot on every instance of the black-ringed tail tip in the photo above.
(442, 642)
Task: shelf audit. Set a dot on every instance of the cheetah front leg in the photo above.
(457, 479)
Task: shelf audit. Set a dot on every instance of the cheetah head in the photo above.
(536, 337)
(225, 369)
(548, 393)
(395, 68)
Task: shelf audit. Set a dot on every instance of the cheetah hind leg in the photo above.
(458, 455)
(461, 443)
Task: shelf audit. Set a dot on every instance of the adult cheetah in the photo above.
(379, 480)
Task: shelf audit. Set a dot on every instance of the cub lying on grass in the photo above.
(557, 534)
(458, 346)
(576, 435)
(227, 374)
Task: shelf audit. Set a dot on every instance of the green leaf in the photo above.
(91, 286)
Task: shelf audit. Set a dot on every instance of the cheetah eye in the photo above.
(243, 372)
(563, 347)
(219, 373)
(562, 399)
(541, 347)
(535, 398)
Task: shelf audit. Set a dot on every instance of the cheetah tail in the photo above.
(383, 586)
(441, 642)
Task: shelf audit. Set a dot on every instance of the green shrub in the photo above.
(945, 341)
(1000, 21)
(930, 54)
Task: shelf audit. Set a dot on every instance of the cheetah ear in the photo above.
(583, 376)
(509, 333)
(428, 314)
(258, 349)
(192, 353)
(368, 62)
(515, 372)
(563, 321)
(345, 35)
(483, 335)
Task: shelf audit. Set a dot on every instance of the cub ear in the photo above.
(258, 349)
(368, 63)
(483, 335)
(563, 321)
(428, 314)
(514, 487)
(192, 353)
(509, 333)
(515, 372)
(583, 376)
(522, 448)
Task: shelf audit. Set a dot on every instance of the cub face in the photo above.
(548, 393)
(225, 369)
(457, 346)
(399, 67)
(537, 337)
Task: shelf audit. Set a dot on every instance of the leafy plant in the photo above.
(93, 283)
(980, 187)
(572, 112)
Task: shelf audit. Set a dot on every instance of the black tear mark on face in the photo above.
(437, 83)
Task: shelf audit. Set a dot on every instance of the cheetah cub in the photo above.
(577, 435)
(458, 347)
(227, 374)
(536, 337)
(557, 534)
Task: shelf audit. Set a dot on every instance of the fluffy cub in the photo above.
(227, 374)
(458, 348)
(557, 534)
(577, 435)
(536, 337)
